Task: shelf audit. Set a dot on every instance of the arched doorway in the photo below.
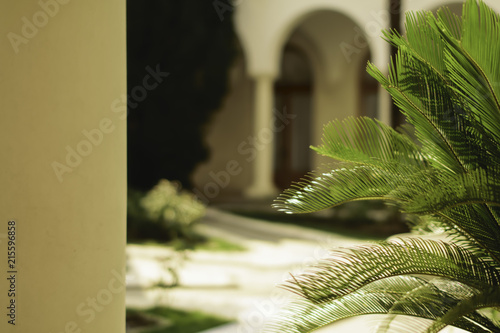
(293, 95)
(322, 77)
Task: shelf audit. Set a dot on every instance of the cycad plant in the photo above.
(445, 78)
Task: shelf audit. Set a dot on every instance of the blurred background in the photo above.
(225, 99)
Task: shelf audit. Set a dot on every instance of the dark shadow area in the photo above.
(179, 53)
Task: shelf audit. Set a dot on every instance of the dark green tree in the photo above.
(445, 78)
(188, 40)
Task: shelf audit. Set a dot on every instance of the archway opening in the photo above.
(322, 78)
(293, 95)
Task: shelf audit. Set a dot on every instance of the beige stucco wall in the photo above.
(63, 157)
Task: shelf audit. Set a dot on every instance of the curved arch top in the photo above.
(273, 22)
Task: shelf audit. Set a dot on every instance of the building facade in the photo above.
(302, 63)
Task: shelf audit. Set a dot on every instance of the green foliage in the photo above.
(220, 245)
(445, 79)
(180, 321)
(165, 213)
(166, 204)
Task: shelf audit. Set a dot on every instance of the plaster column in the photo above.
(381, 53)
(263, 160)
(384, 106)
(63, 161)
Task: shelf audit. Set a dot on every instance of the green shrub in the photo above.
(180, 321)
(165, 213)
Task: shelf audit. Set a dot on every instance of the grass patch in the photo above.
(208, 244)
(181, 321)
(220, 245)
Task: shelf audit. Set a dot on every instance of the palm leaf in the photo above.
(486, 298)
(477, 186)
(445, 79)
(324, 189)
(474, 223)
(419, 35)
(439, 121)
(400, 295)
(473, 63)
(441, 293)
(368, 141)
(345, 271)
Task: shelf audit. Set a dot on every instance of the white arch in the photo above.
(282, 35)
(272, 23)
(310, 50)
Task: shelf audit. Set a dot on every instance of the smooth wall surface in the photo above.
(63, 166)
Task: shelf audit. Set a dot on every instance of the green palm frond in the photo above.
(347, 270)
(474, 65)
(376, 156)
(397, 295)
(429, 294)
(451, 22)
(440, 120)
(324, 189)
(445, 79)
(422, 112)
(484, 235)
(418, 37)
(477, 186)
(367, 141)
(421, 84)
(486, 298)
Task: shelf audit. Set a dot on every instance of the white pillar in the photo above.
(63, 162)
(384, 105)
(263, 164)
(381, 53)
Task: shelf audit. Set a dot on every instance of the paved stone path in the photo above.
(239, 286)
